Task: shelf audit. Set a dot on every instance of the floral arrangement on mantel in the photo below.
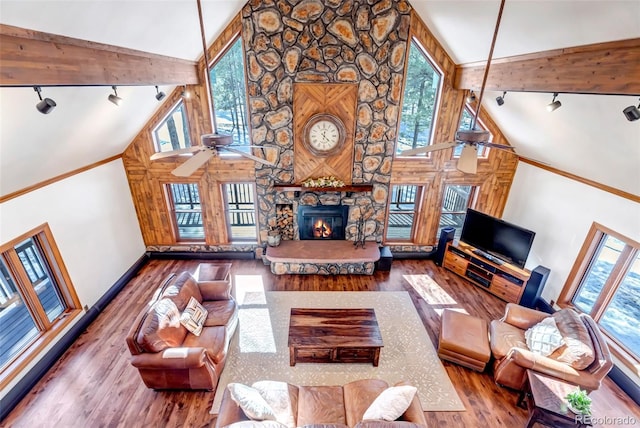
(328, 181)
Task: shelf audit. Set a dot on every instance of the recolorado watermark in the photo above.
(605, 420)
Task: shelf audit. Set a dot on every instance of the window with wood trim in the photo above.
(240, 210)
(36, 298)
(403, 209)
(421, 92)
(455, 201)
(184, 203)
(228, 85)
(605, 283)
(173, 132)
(465, 124)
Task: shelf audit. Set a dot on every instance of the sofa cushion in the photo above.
(213, 340)
(161, 327)
(193, 316)
(504, 337)
(544, 337)
(182, 289)
(279, 397)
(256, 424)
(391, 403)
(578, 352)
(320, 404)
(251, 402)
(219, 312)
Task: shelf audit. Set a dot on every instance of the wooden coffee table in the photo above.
(334, 336)
(546, 404)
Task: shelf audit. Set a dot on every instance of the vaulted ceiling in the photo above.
(588, 136)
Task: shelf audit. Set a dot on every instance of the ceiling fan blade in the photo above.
(468, 161)
(192, 164)
(247, 155)
(188, 150)
(429, 148)
(498, 146)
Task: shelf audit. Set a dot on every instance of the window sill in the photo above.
(33, 351)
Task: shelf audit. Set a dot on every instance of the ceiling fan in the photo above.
(211, 144)
(471, 138)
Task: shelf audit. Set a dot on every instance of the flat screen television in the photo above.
(497, 237)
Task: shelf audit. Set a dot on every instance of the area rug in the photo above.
(258, 350)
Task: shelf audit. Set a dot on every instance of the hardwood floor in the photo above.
(94, 385)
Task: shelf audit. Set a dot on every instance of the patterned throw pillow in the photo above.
(194, 316)
(544, 337)
(391, 403)
(251, 402)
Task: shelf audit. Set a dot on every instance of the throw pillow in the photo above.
(544, 337)
(194, 316)
(251, 402)
(277, 396)
(256, 424)
(391, 403)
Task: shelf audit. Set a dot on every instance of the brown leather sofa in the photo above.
(330, 407)
(583, 360)
(165, 353)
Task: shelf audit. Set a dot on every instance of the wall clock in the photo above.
(324, 134)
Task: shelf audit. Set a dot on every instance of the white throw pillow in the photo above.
(251, 402)
(193, 316)
(276, 394)
(544, 337)
(256, 424)
(391, 403)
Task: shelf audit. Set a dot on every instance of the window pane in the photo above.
(419, 102)
(401, 212)
(455, 202)
(18, 327)
(622, 318)
(173, 132)
(465, 124)
(44, 283)
(599, 270)
(187, 210)
(241, 212)
(229, 95)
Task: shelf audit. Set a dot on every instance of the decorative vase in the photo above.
(273, 240)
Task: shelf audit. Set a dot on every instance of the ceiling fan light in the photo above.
(473, 135)
(631, 113)
(210, 140)
(114, 98)
(554, 104)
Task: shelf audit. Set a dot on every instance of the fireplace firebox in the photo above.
(322, 221)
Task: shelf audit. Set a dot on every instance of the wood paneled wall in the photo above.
(148, 180)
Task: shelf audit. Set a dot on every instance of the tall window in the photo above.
(605, 283)
(241, 211)
(229, 94)
(173, 132)
(187, 211)
(36, 297)
(402, 212)
(465, 124)
(421, 91)
(455, 201)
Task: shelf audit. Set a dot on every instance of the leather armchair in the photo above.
(512, 357)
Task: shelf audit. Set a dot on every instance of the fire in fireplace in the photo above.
(323, 221)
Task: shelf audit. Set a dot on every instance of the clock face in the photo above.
(324, 134)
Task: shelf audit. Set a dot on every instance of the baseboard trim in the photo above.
(202, 255)
(22, 388)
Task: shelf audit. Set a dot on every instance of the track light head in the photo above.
(554, 104)
(471, 97)
(632, 113)
(500, 99)
(185, 92)
(114, 98)
(45, 106)
(159, 94)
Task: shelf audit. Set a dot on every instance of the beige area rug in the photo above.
(259, 350)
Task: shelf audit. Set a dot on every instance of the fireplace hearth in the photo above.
(327, 222)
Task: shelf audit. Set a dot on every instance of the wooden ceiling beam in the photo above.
(30, 58)
(611, 68)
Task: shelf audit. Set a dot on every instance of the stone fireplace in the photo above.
(322, 222)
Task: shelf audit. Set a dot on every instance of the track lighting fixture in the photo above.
(632, 113)
(554, 104)
(185, 92)
(159, 94)
(500, 99)
(45, 105)
(471, 97)
(114, 98)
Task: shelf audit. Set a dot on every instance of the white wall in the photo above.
(94, 224)
(561, 211)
